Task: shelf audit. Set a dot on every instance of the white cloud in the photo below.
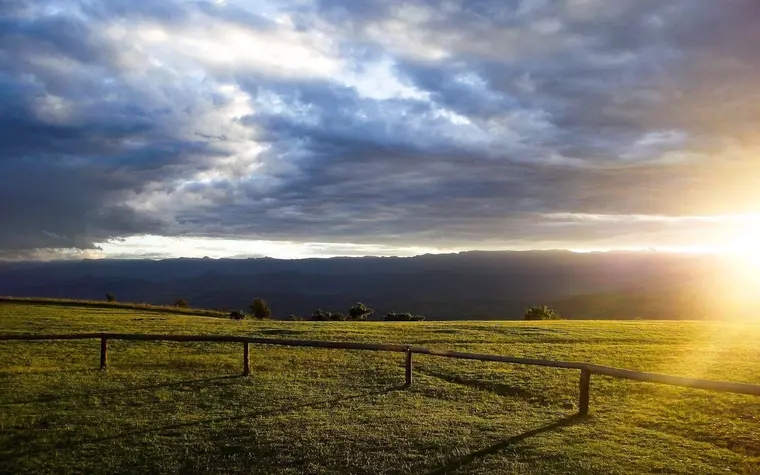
(209, 43)
(378, 80)
(166, 247)
(627, 218)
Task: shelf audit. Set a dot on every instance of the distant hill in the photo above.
(143, 307)
(469, 285)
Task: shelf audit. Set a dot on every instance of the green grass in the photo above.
(183, 407)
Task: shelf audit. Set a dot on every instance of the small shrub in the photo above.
(237, 315)
(110, 298)
(541, 312)
(320, 315)
(294, 318)
(403, 317)
(359, 311)
(180, 303)
(261, 310)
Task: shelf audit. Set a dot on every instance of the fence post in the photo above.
(103, 352)
(246, 360)
(408, 366)
(584, 397)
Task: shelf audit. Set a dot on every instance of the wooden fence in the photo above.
(586, 369)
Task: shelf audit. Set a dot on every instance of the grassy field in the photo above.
(184, 408)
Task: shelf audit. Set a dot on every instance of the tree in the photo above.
(320, 315)
(181, 303)
(541, 312)
(110, 298)
(403, 317)
(260, 309)
(359, 311)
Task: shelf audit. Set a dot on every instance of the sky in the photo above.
(299, 128)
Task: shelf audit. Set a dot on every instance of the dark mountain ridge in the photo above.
(468, 285)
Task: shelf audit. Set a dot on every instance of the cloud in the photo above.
(434, 124)
(154, 247)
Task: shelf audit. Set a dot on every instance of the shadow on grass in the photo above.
(500, 389)
(496, 388)
(192, 382)
(13, 374)
(471, 457)
(282, 332)
(70, 444)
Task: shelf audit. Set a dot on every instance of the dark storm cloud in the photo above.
(520, 110)
(79, 138)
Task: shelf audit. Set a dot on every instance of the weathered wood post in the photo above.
(408, 366)
(584, 397)
(103, 352)
(246, 360)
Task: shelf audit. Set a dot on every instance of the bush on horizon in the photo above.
(359, 311)
(237, 315)
(403, 317)
(541, 312)
(261, 310)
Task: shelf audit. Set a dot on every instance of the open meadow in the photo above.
(164, 407)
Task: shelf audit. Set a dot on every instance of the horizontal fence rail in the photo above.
(215, 338)
(709, 385)
(586, 369)
(497, 358)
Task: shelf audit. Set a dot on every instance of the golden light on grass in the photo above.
(732, 296)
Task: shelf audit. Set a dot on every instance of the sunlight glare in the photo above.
(743, 283)
(746, 243)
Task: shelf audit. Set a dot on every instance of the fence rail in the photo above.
(586, 369)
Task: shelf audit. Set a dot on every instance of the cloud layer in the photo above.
(451, 124)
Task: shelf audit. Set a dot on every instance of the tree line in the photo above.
(259, 310)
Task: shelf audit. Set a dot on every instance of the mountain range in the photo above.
(467, 285)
